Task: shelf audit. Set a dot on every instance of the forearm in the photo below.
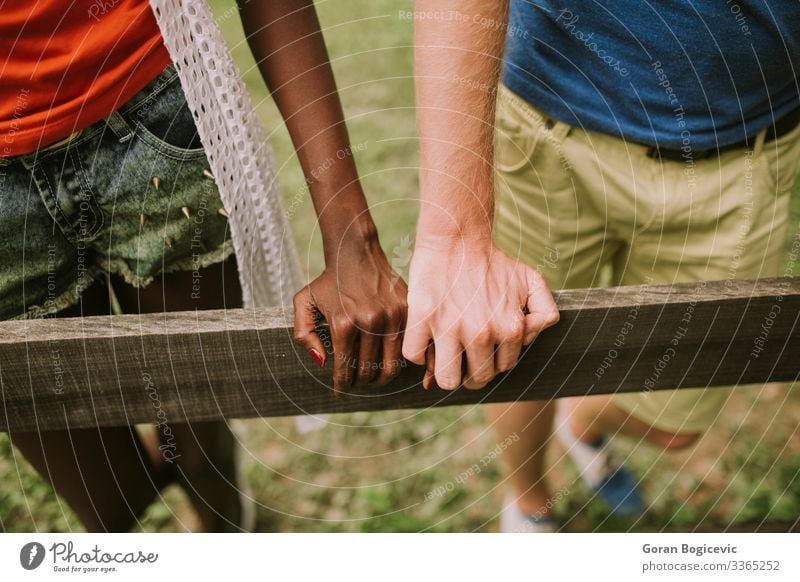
(456, 58)
(288, 46)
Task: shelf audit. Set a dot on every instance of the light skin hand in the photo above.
(465, 295)
(470, 302)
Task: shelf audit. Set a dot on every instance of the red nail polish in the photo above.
(316, 356)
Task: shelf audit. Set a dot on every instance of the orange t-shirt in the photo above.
(65, 65)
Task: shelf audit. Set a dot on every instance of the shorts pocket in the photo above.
(514, 142)
(780, 158)
(164, 122)
(66, 191)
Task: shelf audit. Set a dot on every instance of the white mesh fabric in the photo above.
(239, 155)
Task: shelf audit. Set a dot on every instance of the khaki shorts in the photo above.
(589, 210)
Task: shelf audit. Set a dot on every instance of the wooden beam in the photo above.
(170, 367)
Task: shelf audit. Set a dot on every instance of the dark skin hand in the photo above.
(359, 295)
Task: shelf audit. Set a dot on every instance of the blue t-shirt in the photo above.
(699, 73)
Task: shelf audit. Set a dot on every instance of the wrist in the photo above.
(455, 228)
(457, 206)
(351, 236)
(470, 244)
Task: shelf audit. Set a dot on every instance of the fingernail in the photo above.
(316, 356)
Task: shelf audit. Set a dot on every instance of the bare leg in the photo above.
(107, 476)
(205, 466)
(592, 417)
(524, 460)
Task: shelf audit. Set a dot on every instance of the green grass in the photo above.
(380, 471)
(371, 53)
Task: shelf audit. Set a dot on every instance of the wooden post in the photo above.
(171, 367)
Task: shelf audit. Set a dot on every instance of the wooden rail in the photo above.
(165, 368)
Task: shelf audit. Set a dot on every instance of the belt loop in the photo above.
(560, 129)
(119, 126)
(758, 146)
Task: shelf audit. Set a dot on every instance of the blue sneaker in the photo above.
(619, 491)
(605, 477)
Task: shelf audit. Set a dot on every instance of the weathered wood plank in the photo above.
(104, 371)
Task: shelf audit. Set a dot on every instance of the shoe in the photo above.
(605, 476)
(514, 520)
(619, 491)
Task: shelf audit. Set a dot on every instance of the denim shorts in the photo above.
(130, 195)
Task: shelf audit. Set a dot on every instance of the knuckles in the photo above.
(474, 385)
(552, 318)
(371, 320)
(421, 307)
(478, 381)
(342, 377)
(513, 333)
(300, 336)
(341, 323)
(300, 298)
(482, 337)
(447, 383)
(396, 314)
(412, 356)
(505, 365)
